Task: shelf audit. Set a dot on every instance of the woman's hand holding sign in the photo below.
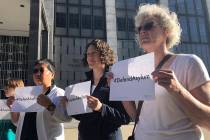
(94, 103)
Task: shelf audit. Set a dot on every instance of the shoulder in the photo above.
(58, 91)
(190, 59)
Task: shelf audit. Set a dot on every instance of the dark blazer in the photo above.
(102, 125)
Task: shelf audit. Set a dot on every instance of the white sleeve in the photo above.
(60, 113)
(197, 73)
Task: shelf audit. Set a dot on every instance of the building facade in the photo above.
(79, 21)
(26, 34)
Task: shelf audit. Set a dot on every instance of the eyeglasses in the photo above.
(147, 26)
(41, 70)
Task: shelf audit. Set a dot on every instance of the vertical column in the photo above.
(208, 9)
(45, 44)
(34, 36)
(164, 2)
(208, 24)
(49, 11)
(111, 29)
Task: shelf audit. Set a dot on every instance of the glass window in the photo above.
(98, 22)
(202, 29)
(121, 24)
(60, 20)
(185, 32)
(60, 1)
(74, 1)
(98, 3)
(131, 4)
(85, 2)
(131, 26)
(199, 7)
(120, 4)
(86, 21)
(193, 29)
(190, 6)
(181, 6)
(74, 20)
(172, 5)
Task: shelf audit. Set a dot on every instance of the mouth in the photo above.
(145, 40)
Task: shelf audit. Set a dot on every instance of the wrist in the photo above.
(51, 107)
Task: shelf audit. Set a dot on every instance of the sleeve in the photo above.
(61, 115)
(60, 112)
(115, 113)
(197, 73)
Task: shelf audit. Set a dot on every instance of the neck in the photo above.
(46, 87)
(160, 54)
(97, 74)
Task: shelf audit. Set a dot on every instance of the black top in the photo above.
(29, 125)
(102, 125)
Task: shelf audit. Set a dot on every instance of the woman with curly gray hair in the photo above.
(182, 102)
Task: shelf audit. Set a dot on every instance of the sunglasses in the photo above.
(41, 70)
(147, 26)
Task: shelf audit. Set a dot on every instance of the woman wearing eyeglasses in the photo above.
(42, 125)
(182, 102)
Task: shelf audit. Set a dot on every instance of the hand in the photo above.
(44, 100)
(168, 80)
(109, 76)
(10, 101)
(63, 101)
(94, 103)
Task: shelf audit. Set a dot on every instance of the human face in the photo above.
(93, 57)
(9, 92)
(42, 76)
(151, 36)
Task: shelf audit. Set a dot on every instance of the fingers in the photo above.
(10, 101)
(164, 75)
(94, 103)
(44, 100)
(109, 76)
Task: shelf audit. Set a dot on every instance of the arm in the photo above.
(14, 115)
(195, 103)
(57, 110)
(130, 108)
(114, 112)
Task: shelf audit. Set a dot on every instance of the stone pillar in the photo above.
(111, 27)
(45, 44)
(34, 36)
(208, 10)
(49, 12)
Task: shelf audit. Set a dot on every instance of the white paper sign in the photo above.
(4, 110)
(133, 80)
(77, 101)
(26, 99)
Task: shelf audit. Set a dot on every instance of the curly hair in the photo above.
(167, 20)
(106, 53)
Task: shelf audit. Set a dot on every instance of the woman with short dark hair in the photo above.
(42, 125)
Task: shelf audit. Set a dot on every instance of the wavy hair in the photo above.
(106, 53)
(167, 20)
